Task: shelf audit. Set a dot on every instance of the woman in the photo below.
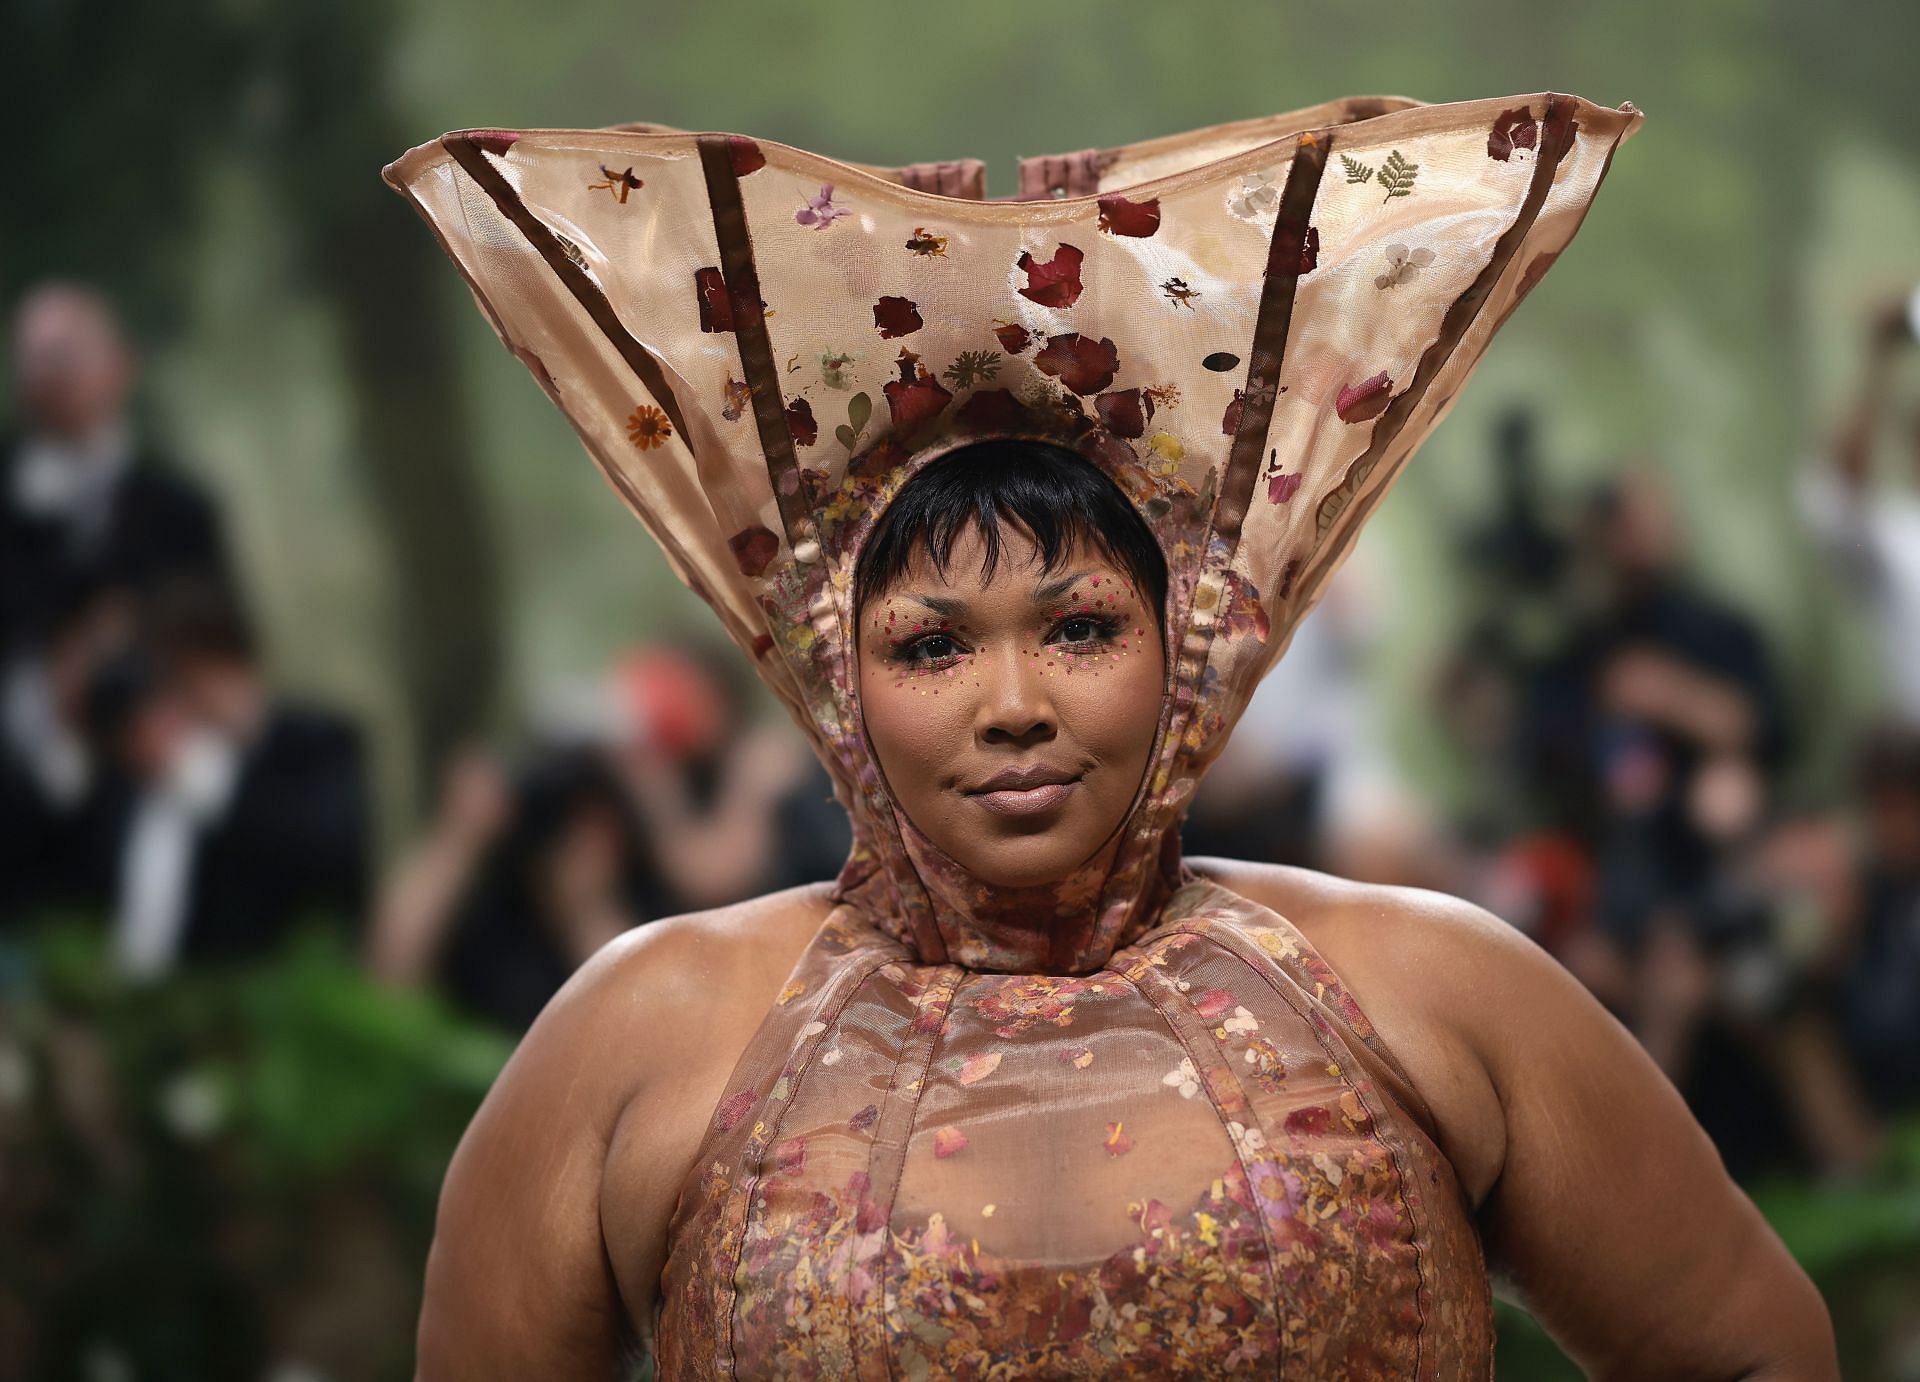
(1022, 1092)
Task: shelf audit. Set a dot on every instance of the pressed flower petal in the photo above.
(977, 1067)
(1056, 282)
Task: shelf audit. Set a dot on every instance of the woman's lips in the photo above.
(1025, 801)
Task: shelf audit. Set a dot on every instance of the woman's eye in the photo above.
(1083, 628)
(927, 649)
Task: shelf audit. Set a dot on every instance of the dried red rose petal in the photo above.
(747, 155)
(896, 317)
(991, 410)
(1367, 399)
(753, 548)
(716, 309)
(1513, 129)
(801, 424)
(916, 396)
(1281, 488)
(1055, 283)
(1118, 216)
(1081, 363)
(1014, 337)
(732, 1109)
(1121, 412)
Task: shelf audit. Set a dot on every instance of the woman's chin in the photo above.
(1025, 861)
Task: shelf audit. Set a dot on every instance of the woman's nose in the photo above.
(1015, 701)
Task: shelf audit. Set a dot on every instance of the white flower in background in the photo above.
(193, 1105)
(1183, 1077)
(1241, 1021)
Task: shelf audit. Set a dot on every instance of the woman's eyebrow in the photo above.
(939, 604)
(1053, 590)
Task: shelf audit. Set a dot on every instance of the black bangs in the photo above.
(1055, 496)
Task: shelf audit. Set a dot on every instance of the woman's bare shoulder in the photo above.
(724, 956)
(1409, 957)
(1581, 1139)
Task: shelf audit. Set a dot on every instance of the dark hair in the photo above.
(1055, 496)
(1887, 760)
(193, 616)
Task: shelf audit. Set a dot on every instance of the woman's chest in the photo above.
(1185, 1162)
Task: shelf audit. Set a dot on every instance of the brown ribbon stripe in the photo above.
(750, 334)
(470, 156)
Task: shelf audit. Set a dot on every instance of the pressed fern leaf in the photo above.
(1397, 175)
(1356, 171)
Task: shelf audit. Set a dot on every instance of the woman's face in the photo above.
(1013, 717)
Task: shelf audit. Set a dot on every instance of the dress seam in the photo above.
(913, 1118)
(750, 1183)
(1266, 1230)
(1415, 1217)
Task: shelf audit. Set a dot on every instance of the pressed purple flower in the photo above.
(820, 212)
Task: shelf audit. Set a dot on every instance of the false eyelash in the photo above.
(901, 653)
(1107, 627)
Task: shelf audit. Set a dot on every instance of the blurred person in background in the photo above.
(48, 770)
(729, 805)
(1655, 683)
(1731, 993)
(1871, 533)
(650, 794)
(521, 876)
(1874, 995)
(1308, 780)
(89, 518)
(1672, 728)
(82, 496)
(1521, 856)
(229, 815)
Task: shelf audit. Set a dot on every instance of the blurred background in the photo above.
(343, 711)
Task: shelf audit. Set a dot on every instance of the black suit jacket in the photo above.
(294, 844)
(160, 524)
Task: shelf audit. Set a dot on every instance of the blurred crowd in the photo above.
(1628, 738)
(153, 776)
(1631, 751)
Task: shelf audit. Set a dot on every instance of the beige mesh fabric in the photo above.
(1250, 328)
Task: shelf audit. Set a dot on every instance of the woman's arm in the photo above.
(518, 1281)
(548, 1245)
(415, 909)
(716, 857)
(1613, 1216)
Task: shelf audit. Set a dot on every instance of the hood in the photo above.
(1249, 327)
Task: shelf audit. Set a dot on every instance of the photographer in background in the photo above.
(229, 814)
(1871, 533)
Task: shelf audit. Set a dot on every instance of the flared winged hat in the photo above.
(1250, 327)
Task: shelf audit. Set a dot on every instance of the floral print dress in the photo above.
(1128, 1123)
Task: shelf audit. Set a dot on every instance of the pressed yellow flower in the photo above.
(648, 427)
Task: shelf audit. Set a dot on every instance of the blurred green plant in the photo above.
(228, 1170)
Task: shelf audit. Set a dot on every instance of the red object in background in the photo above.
(673, 700)
(1557, 875)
